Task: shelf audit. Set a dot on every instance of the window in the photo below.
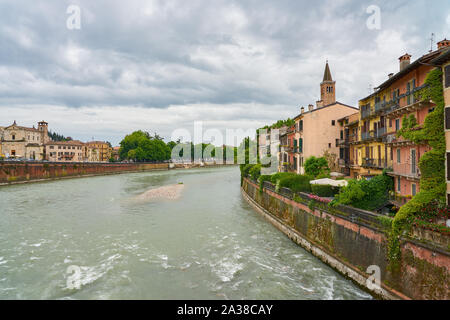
(447, 118)
(397, 124)
(448, 165)
(413, 161)
(333, 122)
(300, 145)
(329, 145)
(390, 123)
(398, 155)
(447, 76)
(399, 187)
(413, 189)
(13, 137)
(300, 124)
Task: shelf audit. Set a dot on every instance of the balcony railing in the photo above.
(373, 163)
(367, 135)
(408, 170)
(380, 132)
(365, 113)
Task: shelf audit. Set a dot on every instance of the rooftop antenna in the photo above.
(431, 42)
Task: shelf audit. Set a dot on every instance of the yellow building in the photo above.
(371, 154)
(102, 149)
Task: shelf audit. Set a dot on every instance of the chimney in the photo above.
(443, 44)
(390, 75)
(302, 109)
(310, 107)
(404, 61)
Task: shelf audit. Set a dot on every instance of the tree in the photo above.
(315, 166)
(140, 146)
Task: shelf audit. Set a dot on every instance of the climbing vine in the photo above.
(431, 164)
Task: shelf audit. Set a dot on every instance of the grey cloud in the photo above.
(158, 54)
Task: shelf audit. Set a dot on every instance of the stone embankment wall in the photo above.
(21, 172)
(349, 243)
(16, 172)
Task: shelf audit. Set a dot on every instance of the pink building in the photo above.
(405, 155)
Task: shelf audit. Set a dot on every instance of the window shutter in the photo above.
(448, 165)
(447, 76)
(447, 118)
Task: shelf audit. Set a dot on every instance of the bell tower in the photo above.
(327, 88)
(43, 129)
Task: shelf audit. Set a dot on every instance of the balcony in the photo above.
(407, 170)
(366, 113)
(373, 163)
(380, 132)
(367, 135)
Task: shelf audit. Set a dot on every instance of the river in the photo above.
(207, 244)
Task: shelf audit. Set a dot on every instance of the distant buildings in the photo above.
(103, 149)
(35, 144)
(24, 142)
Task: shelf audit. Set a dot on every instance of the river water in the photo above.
(207, 244)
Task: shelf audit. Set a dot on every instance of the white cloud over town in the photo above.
(161, 65)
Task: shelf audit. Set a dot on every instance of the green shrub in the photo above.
(315, 166)
(261, 181)
(366, 194)
(255, 172)
(297, 183)
(245, 169)
(280, 175)
(324, 190)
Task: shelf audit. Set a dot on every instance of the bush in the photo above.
(324, 190)
(255, 172)
(245, 169)
(261, 181)
(297, 183)
(315, 166)
(366, 194)
(280, 175)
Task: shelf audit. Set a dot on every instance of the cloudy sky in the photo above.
(161, 65)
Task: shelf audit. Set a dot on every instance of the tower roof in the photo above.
(327, 73)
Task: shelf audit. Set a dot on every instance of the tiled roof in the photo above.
(65, 143)
(328, 105)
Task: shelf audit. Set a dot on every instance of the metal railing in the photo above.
(365, 113)
(406, 170)
(373, 163)
(355, 215)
